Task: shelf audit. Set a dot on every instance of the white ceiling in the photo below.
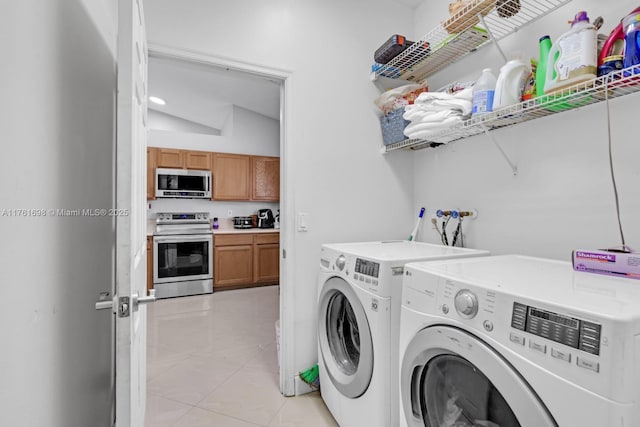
(204, 94)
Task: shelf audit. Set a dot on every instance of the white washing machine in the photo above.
(518, 341)
(358, 319)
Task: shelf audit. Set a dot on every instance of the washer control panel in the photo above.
(368, 268)
(575, 333)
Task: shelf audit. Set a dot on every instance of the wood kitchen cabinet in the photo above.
(149, 263)
(233, 261)
(151, 173)
(235, 176)
(265, 178)
(231, 176)
(266, 258)
(197, 160)
(245, 260)
(170, 158)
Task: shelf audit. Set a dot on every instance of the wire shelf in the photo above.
(613, 85)
(460, 35)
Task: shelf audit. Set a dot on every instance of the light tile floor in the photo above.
(212, 361)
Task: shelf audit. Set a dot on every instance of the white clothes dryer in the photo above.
(518, 341)
(359, 288)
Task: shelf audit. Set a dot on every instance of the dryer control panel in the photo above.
(566, 330)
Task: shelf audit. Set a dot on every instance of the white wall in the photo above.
(57, 128)
(561, 197)
(248, 133)
(162, 121)
(349, 189)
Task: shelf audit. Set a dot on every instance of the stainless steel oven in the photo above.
(182, 255)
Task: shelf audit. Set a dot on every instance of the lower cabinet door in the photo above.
(233, 265)
(267, 263)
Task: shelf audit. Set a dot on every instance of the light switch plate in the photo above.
(303, 221)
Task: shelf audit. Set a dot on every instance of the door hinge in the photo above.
(284, 254)
(123, 307)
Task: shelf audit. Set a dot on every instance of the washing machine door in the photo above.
(344, 338)
(450, 378)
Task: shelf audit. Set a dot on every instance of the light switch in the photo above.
(303, 221)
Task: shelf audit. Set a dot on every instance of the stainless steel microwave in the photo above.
(183, 184)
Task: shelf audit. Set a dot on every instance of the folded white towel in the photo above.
(461, 106)
(437, 101)
(420, 130)
(422, 116)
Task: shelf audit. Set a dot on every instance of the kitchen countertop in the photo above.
(151, 227)
(245, 230)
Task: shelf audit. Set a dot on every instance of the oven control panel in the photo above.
(174, 217)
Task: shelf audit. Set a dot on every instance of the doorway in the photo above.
(279, 79)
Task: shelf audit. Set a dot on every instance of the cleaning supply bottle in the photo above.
(541, 69)
(615, 43)
(573, 58)
(483, 93)
(529, 91)
(631, 27)
(510, 83)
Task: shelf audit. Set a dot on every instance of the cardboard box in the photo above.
(619, 264)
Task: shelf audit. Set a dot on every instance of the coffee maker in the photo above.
(265, 218)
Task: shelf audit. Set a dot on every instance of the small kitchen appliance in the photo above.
(242, 222)
(182, 255)
(265, 218)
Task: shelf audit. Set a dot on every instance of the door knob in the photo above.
(123, 307)
(137, 300)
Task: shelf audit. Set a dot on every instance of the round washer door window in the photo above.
(345, 338)
(451, 378)
(453, 392)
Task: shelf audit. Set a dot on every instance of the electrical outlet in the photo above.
(229, 213)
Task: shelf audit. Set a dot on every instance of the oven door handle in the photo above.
(182, 238)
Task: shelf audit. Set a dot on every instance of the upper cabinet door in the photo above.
(197, 160)
(266, 178)
(170, 158)
(231, 176)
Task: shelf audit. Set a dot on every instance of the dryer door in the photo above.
(344, 338)
(451, 378)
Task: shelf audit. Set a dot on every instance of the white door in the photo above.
(131, 317)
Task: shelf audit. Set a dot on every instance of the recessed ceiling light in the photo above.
(157, 100)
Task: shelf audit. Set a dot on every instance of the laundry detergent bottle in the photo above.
(631, 27)
(483, 93)
(573, 58)
(615, 43)
(510, 83)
